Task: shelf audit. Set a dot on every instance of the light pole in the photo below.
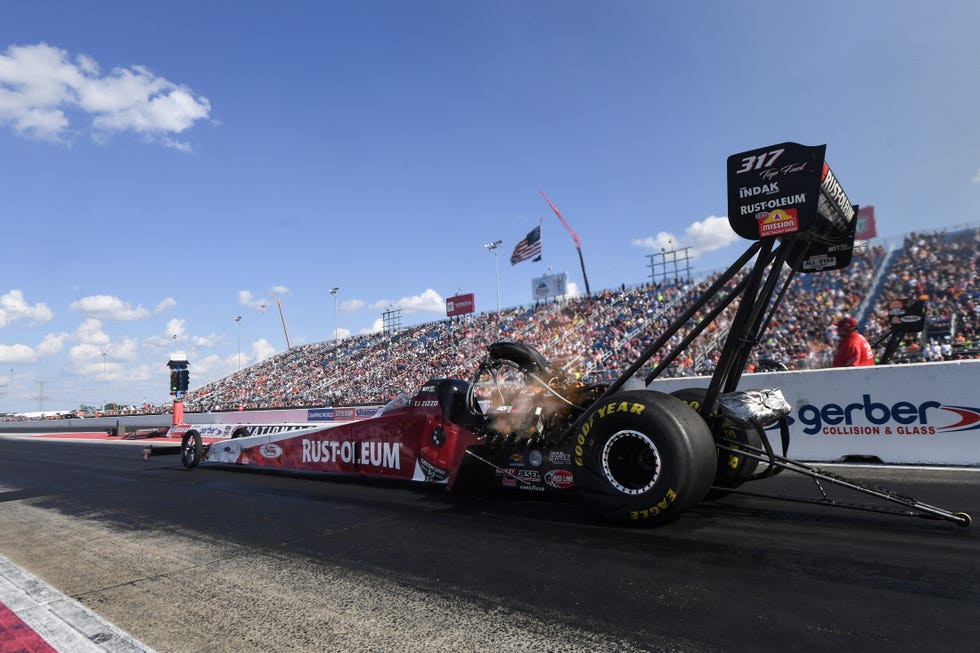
(492, 248)
(103, 378)
(238, 320)
(336, 328)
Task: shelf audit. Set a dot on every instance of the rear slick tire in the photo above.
(733, 469)
(643, 457)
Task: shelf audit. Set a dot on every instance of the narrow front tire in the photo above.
(191, 449)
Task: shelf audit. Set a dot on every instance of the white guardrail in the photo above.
(923, 413)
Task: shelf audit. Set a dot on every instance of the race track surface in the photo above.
(223, 559)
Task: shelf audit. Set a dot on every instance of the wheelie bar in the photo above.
(779, 463)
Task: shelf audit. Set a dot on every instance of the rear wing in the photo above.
(787, 191)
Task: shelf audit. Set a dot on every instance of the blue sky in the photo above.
(167, 167)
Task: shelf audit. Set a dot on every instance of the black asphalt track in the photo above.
(741, 573)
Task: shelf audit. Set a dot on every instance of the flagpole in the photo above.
(492, 248)
(578, 243)
(282, 317)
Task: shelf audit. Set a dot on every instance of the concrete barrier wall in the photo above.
(137, 422)
(926, 413)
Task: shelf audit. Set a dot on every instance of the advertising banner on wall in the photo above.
(460, 305)
(866, 223)
(550, 285)
(924, 413)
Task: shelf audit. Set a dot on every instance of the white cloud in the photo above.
(262, 349)
(175, 327)
(17, 354)
(96, 355)
(125, 349)
(90, 332)
(51, 344)
(976, 179)
(107, 307)
(14, 308)
(376, 327)
(165, 305)
(427, 302)
(572, 291)
(86, 358)
(351, 305)
(246, 298)
(207, 342)
(42, 91)
(708, 235)
(279, 290)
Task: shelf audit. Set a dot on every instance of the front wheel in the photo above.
(191, 449)
(643, 457)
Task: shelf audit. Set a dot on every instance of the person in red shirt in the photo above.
(853, 349)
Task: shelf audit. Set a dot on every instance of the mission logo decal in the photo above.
(778, 222)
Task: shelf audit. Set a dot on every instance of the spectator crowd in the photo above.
(594, 338)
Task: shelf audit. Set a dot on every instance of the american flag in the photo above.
(527, 248)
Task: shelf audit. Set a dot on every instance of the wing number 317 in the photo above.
(759, 161)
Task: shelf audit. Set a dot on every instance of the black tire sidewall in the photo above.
(685, 449)
(732, 468)
(198, 449)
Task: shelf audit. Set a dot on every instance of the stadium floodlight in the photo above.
(238, 320)
(492, 248)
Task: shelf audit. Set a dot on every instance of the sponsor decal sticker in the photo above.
(771, 205)
(535, 458)
(819, 262)
(384, 455)
(765, 189)
(778, 222)
(531, 488)
(559, 458)
(559, 478)
(319, 414)
(868, 417)
(516, 460)
(270, 450)
(432, 473)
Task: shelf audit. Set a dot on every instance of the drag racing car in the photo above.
(640, 456)
(634, 455)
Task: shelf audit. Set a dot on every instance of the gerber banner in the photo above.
(920, 413)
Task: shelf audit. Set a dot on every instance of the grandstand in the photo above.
(596, 337)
